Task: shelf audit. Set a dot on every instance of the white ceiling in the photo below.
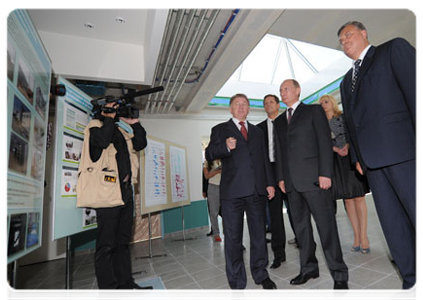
(313, 26)
(71, 22)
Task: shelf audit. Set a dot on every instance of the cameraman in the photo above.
(112, 258)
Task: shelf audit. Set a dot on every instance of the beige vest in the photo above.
(98, 182)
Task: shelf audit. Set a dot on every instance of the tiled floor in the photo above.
(200, 263)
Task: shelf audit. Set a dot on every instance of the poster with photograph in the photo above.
(33, 229)
(89, 218)
(73, 112)
(17, 230)
(28, 86)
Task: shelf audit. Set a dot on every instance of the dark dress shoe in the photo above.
(238, 295)
(210, 233)
(303, 278)
(403, 295)
(136, 290)
(340, 285)
(277, 263)
(268, 284)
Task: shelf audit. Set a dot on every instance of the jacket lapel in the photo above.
(368, 59)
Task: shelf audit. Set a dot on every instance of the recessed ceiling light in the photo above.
(89, 25)
(120, 20)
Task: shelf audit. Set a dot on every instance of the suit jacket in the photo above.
(263, 126)
(381, 113)
(245, 169)
(303, 148)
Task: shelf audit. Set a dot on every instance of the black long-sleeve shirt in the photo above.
(101, 137)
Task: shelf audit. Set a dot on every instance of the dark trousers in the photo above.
(112, 260)
(394, 194)
(233, 218)
(318, 204)
(277, 226)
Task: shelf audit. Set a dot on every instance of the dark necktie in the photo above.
(289, 114)
(243, 130)
(355, 75)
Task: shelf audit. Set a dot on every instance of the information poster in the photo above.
(72, 116)
(164, 176)
(178, 174)
(28, 90)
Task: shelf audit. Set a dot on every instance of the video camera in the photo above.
(125, 109)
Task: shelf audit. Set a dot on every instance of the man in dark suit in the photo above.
(246, 183)
(277, 227)
(379, 103)
(304, 166)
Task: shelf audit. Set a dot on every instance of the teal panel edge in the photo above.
(195, 215)
(258, 103)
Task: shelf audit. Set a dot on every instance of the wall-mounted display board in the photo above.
(164, 182)
(72, 116)
(28, 92)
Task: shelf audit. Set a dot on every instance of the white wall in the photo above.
(188, 131)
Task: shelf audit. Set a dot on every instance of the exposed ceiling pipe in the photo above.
(181, 46)
(203, 38)
(178, 20)
(187, 54)
(167, 29)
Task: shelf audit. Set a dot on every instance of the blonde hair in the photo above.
(335, 107)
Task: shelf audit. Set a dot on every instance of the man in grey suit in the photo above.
(304, 169)
(246, 183)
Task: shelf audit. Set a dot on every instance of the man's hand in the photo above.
(282, 186)
(129, 120)
(359, 169)
(231, 143)
(325, 182)
(270, 192)
(113, 105)
(344, 150)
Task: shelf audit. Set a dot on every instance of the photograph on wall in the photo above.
(33, 229)
(21, 118)
(17, 231)
(75, 118)
(39, 133)
(11, 58)
(72, 148)
(41, 102)
(89, 218)
(26, 81)
(178, 174)
(37, 164)
(18, 154)
(69, 179)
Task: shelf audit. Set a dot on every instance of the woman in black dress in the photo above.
(347, 183)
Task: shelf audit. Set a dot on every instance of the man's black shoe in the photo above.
(238, 295)
(403, 295)
(210, 233)
(277, 263)
(136, 290)
(268, 284)
(340, 285)
(303, 278)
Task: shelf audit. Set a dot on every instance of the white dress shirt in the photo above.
(294, 107)
(271, 143)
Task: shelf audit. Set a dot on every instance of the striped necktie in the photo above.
(355, 75)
